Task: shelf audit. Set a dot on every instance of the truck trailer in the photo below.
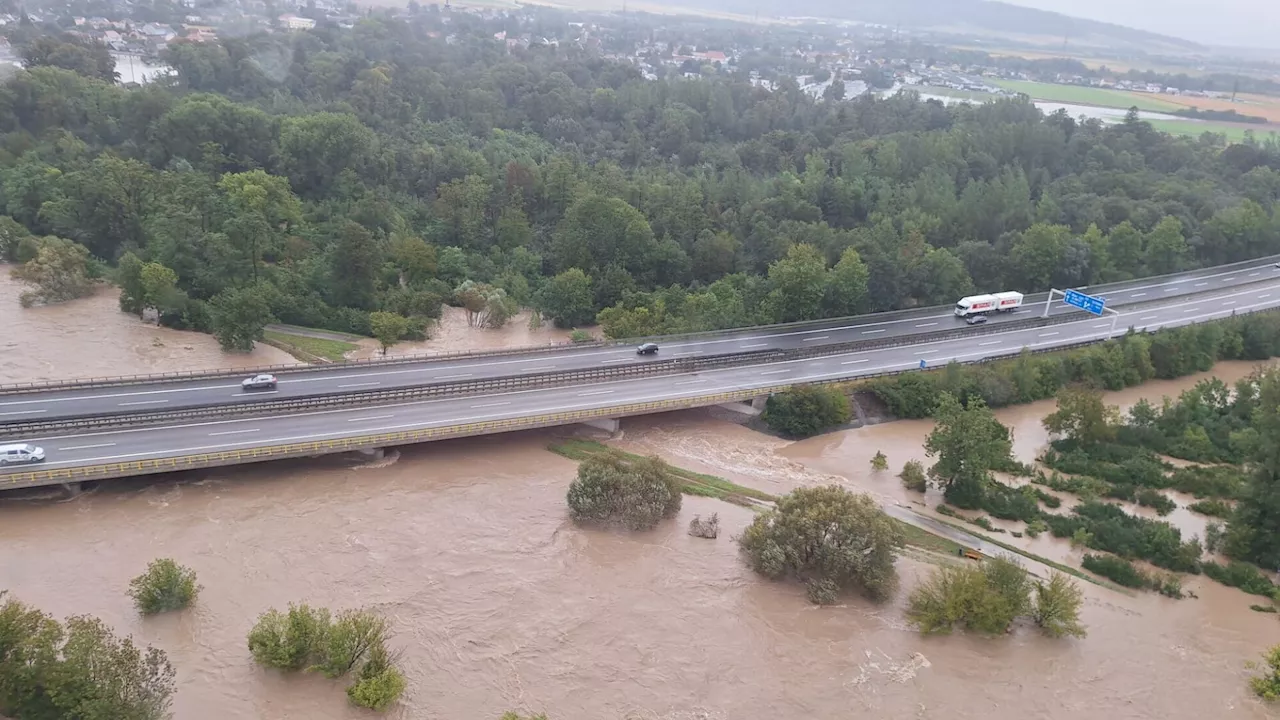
(983, 304)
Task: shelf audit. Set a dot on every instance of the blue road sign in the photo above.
(921, 363)
(1085, 302)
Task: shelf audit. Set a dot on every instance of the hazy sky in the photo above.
(1252, 23)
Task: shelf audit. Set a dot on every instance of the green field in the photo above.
(331, 350)
(1234, 133)
(1088, 96)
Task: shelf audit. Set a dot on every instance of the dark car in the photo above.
(976, 319)
(647, 349)
(259, 382)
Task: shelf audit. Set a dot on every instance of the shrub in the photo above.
(1263, 608)
(1241, 575)
(1102, 526)
(984, 598)
(806, 411)
(913, 476)
(611, 488)
(1035, 527)
(1156, 499)
(1215, 536)
(289, 641)
(516, 716)
(165, 586)
(379, 682)
(1117, 570)
(879, 461)
(822, 592)
(1049, 500)
(826, 533)
(709, 528)
(945, 509)
(352, 636)
(1213, 508)
(580, 336)
(1057, 607)
(1267, 685)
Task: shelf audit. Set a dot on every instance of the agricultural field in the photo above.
(1234, 131)
(1100, 97)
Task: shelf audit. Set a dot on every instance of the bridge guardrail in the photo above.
(124, 380)
(17, 429)
(54, 476)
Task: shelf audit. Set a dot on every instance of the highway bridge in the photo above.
(203, 421)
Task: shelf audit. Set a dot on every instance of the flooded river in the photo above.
(500, 603)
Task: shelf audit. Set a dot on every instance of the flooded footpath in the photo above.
(499, 602)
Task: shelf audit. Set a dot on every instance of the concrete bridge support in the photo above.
(373, 453)
(609, 425)
(753, 407)
(71, 488)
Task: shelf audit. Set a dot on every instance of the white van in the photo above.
(20, 454)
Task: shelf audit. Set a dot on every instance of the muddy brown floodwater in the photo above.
(500, 603)
(90, 337)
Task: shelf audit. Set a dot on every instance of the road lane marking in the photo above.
(452, 377)
(1148, 317)
(234, 432)
(1254, 274)
(1103, 325)
(991, 342)
(871, 332)
(144, 402)
(1229, 302)
(855, 362)
(1228, 279)
(86, 447)
(365, 384)
(691, 382)
(753, 345)
(687, 354)
(926, 324)
(1190, 310)
(542, 369)
(371, 417)
(596, 392)
(497, 404)
(775, 372)
(615, 360)
(23, 412)
(253, 393)
(925, 352)
(1048, 334)
(1136, 294)
(824, 337)
(1201, 284)
(1172, 289)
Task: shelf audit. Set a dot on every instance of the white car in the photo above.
(21, 454)
(264, 381)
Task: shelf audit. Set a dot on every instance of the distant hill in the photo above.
(975, 15)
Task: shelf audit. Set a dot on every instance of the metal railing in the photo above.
(168, 377)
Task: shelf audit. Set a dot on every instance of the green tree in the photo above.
(263, 209)
(806, 410)
(1267, 685)
(292, 640)
(914, 477)
(1056, 607)
(1038, 254)
(60, 271)
(984, 598)
(238, 318)
(159, 287)
(567, 299)
(389, 328)
(129, 278)
(1166, 247)
(1083, 417)
(826, 534)
(968, 443)
(846, 292)
(599, 231)
(165, 586)
(638, 494)
(80, 669)
(463, 205)
(414, 258)
(879, 461)
(379, 682)
(1253, 533)
(798, 283)
(1124, 245)
(356, 259)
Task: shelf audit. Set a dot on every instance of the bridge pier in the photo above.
(752, 408)
(373, 453)
(72, 488)
(609, 425)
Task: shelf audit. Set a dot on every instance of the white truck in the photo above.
(983, 304)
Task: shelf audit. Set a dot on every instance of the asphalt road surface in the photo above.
(197, 437)
(71, 403)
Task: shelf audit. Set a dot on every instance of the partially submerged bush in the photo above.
(709, 528)
(914, 477)
(879, 461)
(611, 488)
(1057, 607)
(807, 410)
(165, 586)
(984, 598)
(1267, 685)
(379, 682)
(826, 533)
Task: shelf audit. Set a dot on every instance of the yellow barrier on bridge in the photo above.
(54, 476)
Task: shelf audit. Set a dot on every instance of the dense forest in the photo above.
(317, 177)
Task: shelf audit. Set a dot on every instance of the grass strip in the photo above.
(703, 485)
(331, 350)
(1032, 556)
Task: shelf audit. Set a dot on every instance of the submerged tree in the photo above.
(968, 443)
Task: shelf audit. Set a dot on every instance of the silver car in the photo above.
(265, 381)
